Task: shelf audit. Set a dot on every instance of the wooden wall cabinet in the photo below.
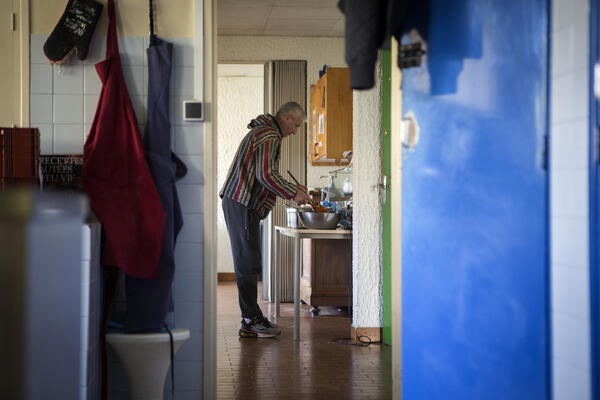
(326, 278)
(330, 117)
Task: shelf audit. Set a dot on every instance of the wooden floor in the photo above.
(281, 368)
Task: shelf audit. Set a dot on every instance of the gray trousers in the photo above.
(243, 226)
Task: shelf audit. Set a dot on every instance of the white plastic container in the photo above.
(292, 217)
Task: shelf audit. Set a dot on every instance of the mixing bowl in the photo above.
(319, 220)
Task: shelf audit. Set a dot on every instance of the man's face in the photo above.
(290, 124)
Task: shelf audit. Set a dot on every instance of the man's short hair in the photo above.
(291, 107)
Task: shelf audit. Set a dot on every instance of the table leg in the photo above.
(276, 272)
(296, 288)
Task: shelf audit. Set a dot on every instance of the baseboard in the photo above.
(375, 334)
(226, 277)
(230, 277)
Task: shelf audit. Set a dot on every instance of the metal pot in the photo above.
(292, 215)
(315, 220)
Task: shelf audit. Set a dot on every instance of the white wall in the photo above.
(569, 200)
(316, 51)
(240, 98)
(367, 214)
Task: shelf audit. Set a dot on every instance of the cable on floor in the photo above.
(361, 341)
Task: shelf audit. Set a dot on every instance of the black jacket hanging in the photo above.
(367, 25)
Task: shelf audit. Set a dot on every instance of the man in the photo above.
(249, 193)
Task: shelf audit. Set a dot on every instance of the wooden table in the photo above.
(298, 234)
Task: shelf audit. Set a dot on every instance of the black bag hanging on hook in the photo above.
(73, 31)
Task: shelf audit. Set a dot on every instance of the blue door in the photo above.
(475, 270)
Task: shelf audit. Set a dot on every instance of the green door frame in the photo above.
(386, 260)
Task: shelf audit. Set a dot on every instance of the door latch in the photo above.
(383, 186)
(409, 131)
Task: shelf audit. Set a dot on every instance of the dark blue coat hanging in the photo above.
(149, 301)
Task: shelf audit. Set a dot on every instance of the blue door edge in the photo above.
(593, 203)
(548, 144)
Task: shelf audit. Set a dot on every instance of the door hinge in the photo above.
(410, 55)
(13, 21)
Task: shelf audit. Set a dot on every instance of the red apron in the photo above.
(116, 177)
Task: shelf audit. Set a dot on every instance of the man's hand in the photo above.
(302, 196)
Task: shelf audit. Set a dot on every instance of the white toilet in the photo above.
(146, 358)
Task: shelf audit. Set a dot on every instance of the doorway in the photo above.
(317, 51)
(283, 367)
(240, 98)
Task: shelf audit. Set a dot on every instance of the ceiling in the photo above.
(280, 18)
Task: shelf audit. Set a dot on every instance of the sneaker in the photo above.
(264, 321)
(258, 329)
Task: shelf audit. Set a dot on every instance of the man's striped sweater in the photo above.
(253, 178)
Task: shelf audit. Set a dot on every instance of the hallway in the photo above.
(313, 368)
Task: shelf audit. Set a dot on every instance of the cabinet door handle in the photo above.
(316, 148)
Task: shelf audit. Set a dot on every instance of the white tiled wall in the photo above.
(63, 105)
(569, 200)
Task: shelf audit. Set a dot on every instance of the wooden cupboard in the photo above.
(330, 117)
(326, 278)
